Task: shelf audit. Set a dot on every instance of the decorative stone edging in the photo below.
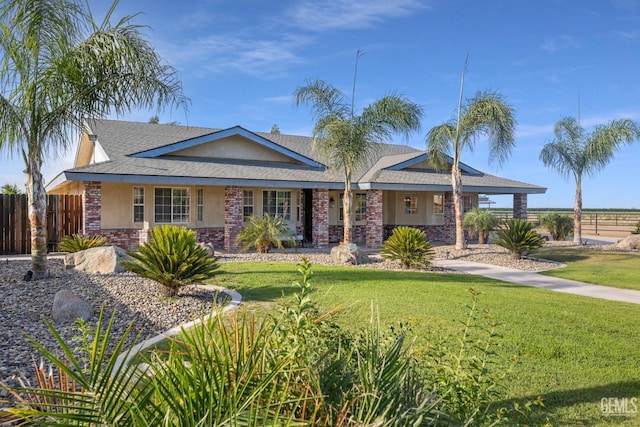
(127, 356)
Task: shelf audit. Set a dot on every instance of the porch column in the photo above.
(520, 206)
(92, 207)
(449, 234)
(320, 201)
(374, 219)
(232, 217)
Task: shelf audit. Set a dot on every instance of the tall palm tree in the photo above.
(485, 114)
(346, 139)
(576, 153)
(58, 66)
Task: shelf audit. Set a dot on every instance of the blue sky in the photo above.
(240, 61)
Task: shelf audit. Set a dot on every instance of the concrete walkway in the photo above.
(526, 278)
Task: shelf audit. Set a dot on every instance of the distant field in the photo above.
(601, 222)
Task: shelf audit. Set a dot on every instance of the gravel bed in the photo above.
(24, 304)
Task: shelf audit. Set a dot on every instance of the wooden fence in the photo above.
(64, 217)
(594, 223)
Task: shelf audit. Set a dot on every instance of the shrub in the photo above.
(637, 230)
(559, 226)
(409, 246)
(172, 258)
(263, 233)
(480, 222)
(517, 235)
(79, 242)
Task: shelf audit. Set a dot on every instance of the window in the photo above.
(410, 204)
(172, 205)
(359, 207)
(138, 204)
(247, 204)
(200, 204)
(467, 203)
(438, 203)
(277, 203)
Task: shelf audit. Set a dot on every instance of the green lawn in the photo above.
(574, 351)
(616, 269)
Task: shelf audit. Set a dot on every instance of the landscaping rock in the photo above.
(208, 247)
(348, 254)
(632, 241)
(68, 307)
(100, 260)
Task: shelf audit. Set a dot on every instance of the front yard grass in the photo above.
(606, 268)
(574, 351)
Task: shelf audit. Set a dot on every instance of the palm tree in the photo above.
(485, 114)
(346, 139)
(574, 153)
(58, 67)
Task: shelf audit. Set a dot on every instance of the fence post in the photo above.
(596, 224)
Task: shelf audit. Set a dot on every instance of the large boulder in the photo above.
(100, 260)
(68, 307)
(348, 254)
(632, 241)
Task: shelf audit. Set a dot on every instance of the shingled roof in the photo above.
(145, 153)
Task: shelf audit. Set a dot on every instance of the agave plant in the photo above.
(559, 226)
(263, 233)
(173, 258)
(480, 222)
(409, 246)
(517, 235)
(80, 242)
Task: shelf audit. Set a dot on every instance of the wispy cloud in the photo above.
(626, 35)
(560, 43)
(325, 15)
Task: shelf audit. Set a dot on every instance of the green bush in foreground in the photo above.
(173, 258)
(518, 236)
(79, 242)
(409, 246)
(559, 226)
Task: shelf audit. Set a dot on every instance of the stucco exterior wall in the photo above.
(234, 147)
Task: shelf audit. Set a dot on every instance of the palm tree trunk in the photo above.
(456, 183)
(37, 197)
(347, 207)
(577, 213)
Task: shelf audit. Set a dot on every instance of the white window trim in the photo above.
(188, 190)
(134, 204)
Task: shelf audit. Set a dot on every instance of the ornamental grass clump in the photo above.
(559, 226)
(409, 246)
(80, 242)
(480, 222)
(263, 233)
(518, 236)
(173, 258)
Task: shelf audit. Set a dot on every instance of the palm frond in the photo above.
(440, 141)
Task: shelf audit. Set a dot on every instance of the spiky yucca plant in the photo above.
(409, 246)
(173, 258)
(81, 242)
(480, 222)
(559, 226)
(263, 233)
(517, 235)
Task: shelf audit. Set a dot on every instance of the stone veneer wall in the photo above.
(434, 233)
(320, 218)
(520, 206)
(232, 217)
(358, 234)
(374, 219)
(92, 207)
(214, 235)
(449, 235)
